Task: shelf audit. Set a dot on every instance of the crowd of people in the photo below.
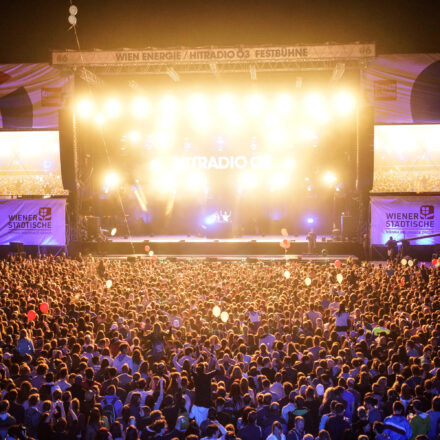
(198, 349)
(31, 184)
(388, 179)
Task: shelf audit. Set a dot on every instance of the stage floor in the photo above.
(198, 239)
(245, 246)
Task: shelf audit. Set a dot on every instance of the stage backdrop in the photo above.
(32, 94)
(405, 217)
(33, 221)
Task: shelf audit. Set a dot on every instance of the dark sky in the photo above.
(29, 29)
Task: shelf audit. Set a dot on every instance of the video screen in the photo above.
(407, 158)
(30, 163)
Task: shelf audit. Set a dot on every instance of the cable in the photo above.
(101, 132)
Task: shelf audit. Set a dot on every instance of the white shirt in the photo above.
(268, 340)
(272, 437)
(286, 410)
(120, 360)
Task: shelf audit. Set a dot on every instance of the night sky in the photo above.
(30, 29)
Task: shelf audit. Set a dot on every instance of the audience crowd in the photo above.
(406, 180)
(115, 349)
(31, 184)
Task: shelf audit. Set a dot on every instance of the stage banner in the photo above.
(32, 94)
(405, 217)
(403, 89)
(33, 221)
(199, 55)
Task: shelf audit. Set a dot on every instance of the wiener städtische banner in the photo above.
(33, 221)
(405, 217)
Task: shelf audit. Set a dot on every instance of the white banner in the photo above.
(403, 88)
(215, 55)
(33, 221)
(405, 217)
(32, 94)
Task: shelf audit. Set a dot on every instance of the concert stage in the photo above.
(250, 245)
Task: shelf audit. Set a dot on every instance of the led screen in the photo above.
(30, 163)
(407, 158)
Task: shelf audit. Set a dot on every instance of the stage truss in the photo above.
(216, 61)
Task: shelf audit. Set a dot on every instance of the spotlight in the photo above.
(99, 119)
(139, 107)
(310, 220)
(210, 219)
(85, 108)
(344, 103)
(111, 180)
(308, 135)
(113, 107)
(134, 136)
(289, 164)
(329, 178)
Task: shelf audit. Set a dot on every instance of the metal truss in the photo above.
(220, 68)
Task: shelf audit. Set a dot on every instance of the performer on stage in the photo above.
(311, 238)
(392, 248)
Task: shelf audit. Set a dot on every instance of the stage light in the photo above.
(140, 107)
(289, 164)
(111, 180)
(278, 181)
(248, 180)
(85, 108)
(308, 135)
(284, 104)
(113, 107)
(329, 178)
(322, 116)
(99, 119)
(255, 104)
(310, 220)
(210, 219)
(134, 136)
(344, 103)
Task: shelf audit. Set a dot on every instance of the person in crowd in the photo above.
(298, 432)
(397, 426)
